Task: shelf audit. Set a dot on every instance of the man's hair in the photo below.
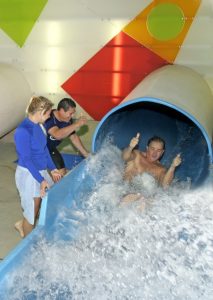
(156, 138)
(66, 103)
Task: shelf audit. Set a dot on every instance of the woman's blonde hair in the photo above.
(39, 104)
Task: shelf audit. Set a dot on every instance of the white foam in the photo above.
(165, 252)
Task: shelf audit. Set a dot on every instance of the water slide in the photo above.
(173, 102)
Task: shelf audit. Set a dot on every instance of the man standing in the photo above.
(59, 126)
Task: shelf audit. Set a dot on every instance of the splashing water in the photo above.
(119, 251)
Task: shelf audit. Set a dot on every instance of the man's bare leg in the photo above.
(142, 206)
(19, 227)
(134, 197)
(131, 197)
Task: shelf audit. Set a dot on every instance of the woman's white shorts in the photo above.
(29, 188)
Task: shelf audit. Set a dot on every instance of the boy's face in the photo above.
(154, 151)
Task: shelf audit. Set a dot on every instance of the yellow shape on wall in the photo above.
(162, 26)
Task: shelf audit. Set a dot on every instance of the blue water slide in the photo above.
(73, 186)
(156, 117)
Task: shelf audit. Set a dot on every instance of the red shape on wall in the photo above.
(111, 74)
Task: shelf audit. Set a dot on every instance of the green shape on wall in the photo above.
(165, 21)
(17, 17)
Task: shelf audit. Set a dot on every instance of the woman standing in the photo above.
(32, 178)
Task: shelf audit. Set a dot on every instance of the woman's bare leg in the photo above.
(27, 227)
(37, 204)
(19, 227)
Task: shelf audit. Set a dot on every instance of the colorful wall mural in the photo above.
(97, 52)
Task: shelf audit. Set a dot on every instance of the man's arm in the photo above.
(78, 144)
(61, 133)
(127, 153)
(168, 175)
